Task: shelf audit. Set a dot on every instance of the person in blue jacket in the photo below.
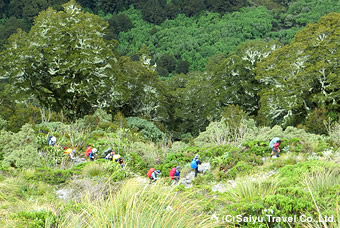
(198, 162)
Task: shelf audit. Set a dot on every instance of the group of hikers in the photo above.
(174, 174)
(91, 153)
(108, 154)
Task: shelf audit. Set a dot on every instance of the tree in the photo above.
(166, 62)
(153, 12)
(10, 27)
(302, 76)
(65, 62)
(234, 80)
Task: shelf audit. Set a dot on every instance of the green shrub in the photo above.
(20, 150)
(172, 160)
(146, 128)
(116, 172)
(230, 158)
(136, 163)
(51, 176)
(293, 174)
(36, 219)
(240, 169)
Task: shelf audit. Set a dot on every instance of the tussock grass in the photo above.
(250, 188)
(141, 205)
(93, 170)
(322, 180)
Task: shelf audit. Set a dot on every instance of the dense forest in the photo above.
(160, 82)
(277, 61)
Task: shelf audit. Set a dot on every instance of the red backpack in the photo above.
(151, 170)
(88, 151)
(172, 173)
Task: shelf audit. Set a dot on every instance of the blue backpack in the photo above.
(273, 141)
(193, 164)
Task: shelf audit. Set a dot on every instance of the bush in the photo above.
(146, 128)
(51, 176)
(240, 169)
(20, 149)
(172, 160)
(35, 219)
(231, 158)
(116, 172)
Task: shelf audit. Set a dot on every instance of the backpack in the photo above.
(172, 173)
(151, 170)
(108, 150)
(193, 164)
(92, 154)
(273, 141)
(88, 151)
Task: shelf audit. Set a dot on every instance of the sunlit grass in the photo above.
(322, 180)
(250, 188)
(141, 205)
(93, 170)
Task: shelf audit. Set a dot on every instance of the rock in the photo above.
(219, 188)
(64, 193)
(78, 160)
(204, 167)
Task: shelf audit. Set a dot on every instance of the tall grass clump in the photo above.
(323, 180)
(93, 170)
(141, 205)
(250, 188)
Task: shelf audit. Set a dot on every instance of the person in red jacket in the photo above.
(276, 149)
(88, 150)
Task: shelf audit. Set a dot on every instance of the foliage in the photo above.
(251, 188)
(301, 76)
(148, 152)
(157, 205)
(172, 160)
(224, 132)
(20, 149)
(60, 83)
(3, 123)
(232, 156)
(93, 170)
(51, 176)
(187, 37)
(240, 169)
(116, 172)
(35, 219)
(146, 128)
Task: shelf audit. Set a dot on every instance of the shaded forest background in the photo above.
(180, 64)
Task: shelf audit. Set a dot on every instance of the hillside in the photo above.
(95, 93)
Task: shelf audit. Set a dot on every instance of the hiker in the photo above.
(274, 144)
(174, 174)
(52, 140)
(116, 157)
(121, 162)
(153, 175)
(72, 154)
(88, 150)
(93, 154)
(195, 162)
